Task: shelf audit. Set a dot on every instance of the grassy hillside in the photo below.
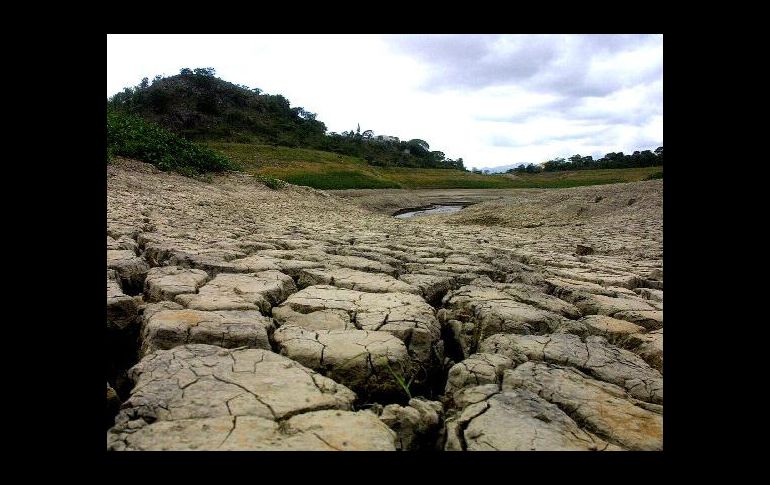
(326, 170)
(577, 178)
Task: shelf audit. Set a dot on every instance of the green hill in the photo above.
(326, 170)
(200, 106)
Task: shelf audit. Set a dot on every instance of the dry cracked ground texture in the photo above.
(243, 318)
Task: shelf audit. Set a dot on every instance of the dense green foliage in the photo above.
(200, 106)
(644, 158)
(132, 136)
(385, 151)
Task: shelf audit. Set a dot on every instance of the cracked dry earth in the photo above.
(243, 318)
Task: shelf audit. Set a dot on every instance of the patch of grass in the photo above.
(271, 182)
(331, 171)
(653, 176)
(253, 156)
(577, 178)
(131, 136)
(418, 178)
(302, 166)
(340, 179)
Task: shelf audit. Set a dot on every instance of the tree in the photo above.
(256, 90)
(303, 113)
(185, 71)
(614, 160)
(280, 103)
(555, 164)
(436, 157)
(576, 161)
(205, 71)
(421, 143)
(418, 148)
(368, 134)
(145, 82)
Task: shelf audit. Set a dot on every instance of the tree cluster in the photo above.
(644, 158)
(389, 152)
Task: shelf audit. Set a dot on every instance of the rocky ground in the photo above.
(245, 318)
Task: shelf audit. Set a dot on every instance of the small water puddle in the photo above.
(433, 209)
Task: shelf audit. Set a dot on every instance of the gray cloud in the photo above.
(504, 141)
(618, 42)
(596, 114)
(634, 118)
(547, 63)
(476, 61)
(643, 143)
(586, 136)
(552, 108)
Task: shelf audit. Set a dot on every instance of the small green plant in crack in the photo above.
(400, 377)
(271, 182)
(405, 377)
(403, 374)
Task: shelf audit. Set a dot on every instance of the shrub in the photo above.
(131, 136)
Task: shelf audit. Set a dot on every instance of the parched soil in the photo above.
(245, 318)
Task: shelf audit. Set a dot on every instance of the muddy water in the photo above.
(435, 209)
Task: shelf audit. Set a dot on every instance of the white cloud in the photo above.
(493, 100)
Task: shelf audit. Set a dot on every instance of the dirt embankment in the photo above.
(603, 204)
(520, 207)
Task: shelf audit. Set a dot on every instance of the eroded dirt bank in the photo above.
(242, 318)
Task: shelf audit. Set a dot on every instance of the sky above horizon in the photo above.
(491, 99)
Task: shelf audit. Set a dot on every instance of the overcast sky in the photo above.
(491, 99)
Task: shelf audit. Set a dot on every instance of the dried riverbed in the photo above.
(243, 318)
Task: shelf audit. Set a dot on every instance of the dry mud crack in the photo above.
(243, 318)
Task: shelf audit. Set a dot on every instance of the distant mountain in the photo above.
(502, 168)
